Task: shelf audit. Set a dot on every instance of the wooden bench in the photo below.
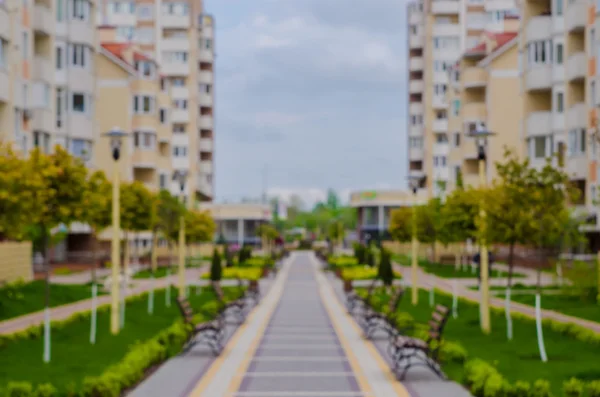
(407, 352)
(211, 332)
(237, 307)
(385, 322)
(354, 300)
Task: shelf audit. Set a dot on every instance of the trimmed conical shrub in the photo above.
(216, 270)
(385, 271)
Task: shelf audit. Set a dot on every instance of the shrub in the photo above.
(359, 252)
(453, 352)
(228, 256)
(541, 388)
(216, 270)
(19, 389)
(593, 388)
(573, 388)
(520, 389)
(385, 271)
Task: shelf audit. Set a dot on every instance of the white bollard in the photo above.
(47, 335)
(538, 323)
(93, 316)
(454, 300)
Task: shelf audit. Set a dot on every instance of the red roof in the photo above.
(500, 39)
(117, 50)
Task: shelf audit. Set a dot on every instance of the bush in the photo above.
(342, 261)
(216, 270)
(359, 252)
(385, 272)
(453, 352)
(541, 388)
(593, 388)
(520, 389)
(573, 388)
(228, 256)
(19, 389)
(305, 245)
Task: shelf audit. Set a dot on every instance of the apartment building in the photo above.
(181, 39)
(47, 75)
(239, 223)
(439, 32)
(484, 89)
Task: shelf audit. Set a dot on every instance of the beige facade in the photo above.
(481, 83)
(15, 262)
(47, 75)
(238, 223)
(181, 39)
(439, 32)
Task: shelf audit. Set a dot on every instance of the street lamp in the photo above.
(116, 136)
(415, 182)
(181, 177)
(481, 135)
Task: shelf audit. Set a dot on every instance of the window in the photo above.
(540, 147)
(539, 52)
(143, 104)
(205, 88)
(145, 68)
(208, 44)
(558, 7)
(41, 140)
(79, 103)
(144, 140)
(25, 46)
(560, 102)
(180, 104)
(79, 148)
(3, 53)
(457, 173)
(416, 119)
(415, 142)
(181, 9)
(178, 82)
(162, 115)
(576, 144)
(144, 12)
(179, 151)
(125, 33)
(441, 115)
(60, 105)
(60, 10)
(79, 55)
(559, 54)
(446, 43)
(179, 129)
(593, 93)
(592, 42)
(162, 181)
(455, 107)
(80, 9)
(439, 89)
(175, 56)
(144, 35)
(457, 139)
(441, 138)
(60, 62)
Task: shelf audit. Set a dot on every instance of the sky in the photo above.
(310, 95)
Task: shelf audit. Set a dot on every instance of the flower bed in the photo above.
(362, 273)
(251, 273)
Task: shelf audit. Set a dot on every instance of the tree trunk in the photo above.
(507, 303)
(511, 254)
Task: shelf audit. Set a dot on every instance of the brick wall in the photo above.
(15, 262)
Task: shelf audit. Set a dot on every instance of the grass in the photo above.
(518, 359)
(74, 358)
(363, 273)
(566, 303)
(24, 298)
(519, 287)
(65, 271)
(450, 271)
(250, 273)
(160, 272)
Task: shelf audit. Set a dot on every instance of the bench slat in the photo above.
(437, 316)
(434, 325)
(441, 309)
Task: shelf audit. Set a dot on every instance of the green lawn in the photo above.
(566, 303)
(20, 299)
(517, 359)
(245, 273)
(449, 271)
(520, 287)
(160, 272)
(74, 358)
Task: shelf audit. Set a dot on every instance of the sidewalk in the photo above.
(65, 311)
(427, 280)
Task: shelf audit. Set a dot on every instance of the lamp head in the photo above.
(414, 182)
(116, 136)
(481, 134)
(180, 176)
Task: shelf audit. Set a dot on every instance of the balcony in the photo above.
(205, 122)
(576, 116)
(440, 125)
(205, 166)
(205, 99)
(416, 86)
(576, 66)
(445, 7)
(205, 76)
(446, 29)
(415, 64)
(538, 28)
(538, 78)
(575, 15)
(415, 108)
(43, 120)
(42, 20)
(180, 116)
(415, 130)
(205, 55)
(416, 41)
(475, 111)
(175, 68)
(415, 154)
(175, 44)
(42, 69)
(4, 86)
(82, 32)
(538, 123)
(205, 145)
(144, 158)
(4, 24)
(471, 180)
(415, 18)
(439, 102)
(577, 167)
(175, 21)
(474, 77)
(203, 186)
(180, 92)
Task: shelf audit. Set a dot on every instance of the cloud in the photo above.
(314, 91)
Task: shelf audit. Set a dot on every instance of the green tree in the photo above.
(136, 212)
(199, 226)
(401, 224)
(216, 269)
(169, 210)
(385, 271)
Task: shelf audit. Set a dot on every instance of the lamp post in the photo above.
(181, 177)
(116, 136)
(481, 134)
(414, 182)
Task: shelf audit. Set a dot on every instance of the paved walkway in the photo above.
(299, 341)
(65, 311)
(427, 280)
